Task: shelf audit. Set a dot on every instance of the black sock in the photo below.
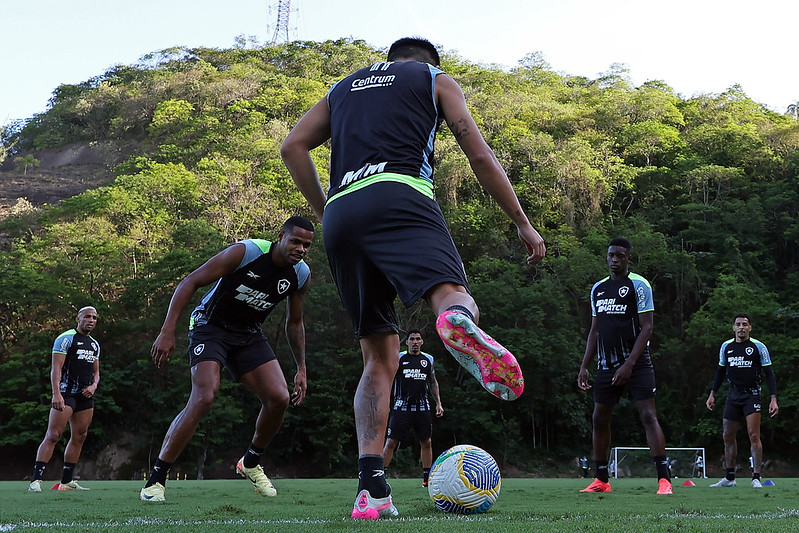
(38, 470)
(253, 456)
(662, 467)
(602, 471)
(372, 476)
(461, 309)
(66, 473)
(756, 475)
(731, 474)
(160, 472)
(425, 474)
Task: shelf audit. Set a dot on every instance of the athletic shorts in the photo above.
(238, 352)
(383, 241)
(78, 402)
(401, 422)
(640, 386)
(741, 404)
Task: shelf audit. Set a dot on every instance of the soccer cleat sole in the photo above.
(484, 358)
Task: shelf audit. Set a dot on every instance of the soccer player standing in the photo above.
(74, 376)
(622, 319)
(415, 380)
(382, 121)
(250, 278)
(742, 359)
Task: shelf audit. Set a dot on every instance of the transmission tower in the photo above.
(280, 12)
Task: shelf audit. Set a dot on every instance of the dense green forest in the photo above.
(706, 188)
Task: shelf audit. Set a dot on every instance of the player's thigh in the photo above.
(81, 420)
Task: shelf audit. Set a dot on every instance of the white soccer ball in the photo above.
(464, 479)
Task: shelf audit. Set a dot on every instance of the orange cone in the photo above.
(688, 483)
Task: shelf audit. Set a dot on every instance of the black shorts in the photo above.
(741, 404)
(640, 386)
(78, 402)
(383, 241)
(238, 352)
(401, 422)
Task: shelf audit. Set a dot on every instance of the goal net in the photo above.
(634, 461)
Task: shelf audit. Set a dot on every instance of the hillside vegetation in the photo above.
(705, 188)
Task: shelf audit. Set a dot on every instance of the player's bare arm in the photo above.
(485, 164)
(219, 265)
(55, 380)
(590, 350)
(311, 131)
(295, 333)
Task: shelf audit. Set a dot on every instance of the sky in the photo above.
(695, 46)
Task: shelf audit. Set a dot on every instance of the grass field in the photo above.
(548, 505)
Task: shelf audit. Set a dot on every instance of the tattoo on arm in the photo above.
(459, 128)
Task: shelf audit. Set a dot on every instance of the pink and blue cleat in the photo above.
(484, 358)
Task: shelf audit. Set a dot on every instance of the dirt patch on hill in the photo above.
(61, 173)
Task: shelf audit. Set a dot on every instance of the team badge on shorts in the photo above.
(199, 349)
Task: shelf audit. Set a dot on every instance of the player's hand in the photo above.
(534, 243)
(711, 401)
(582, 379)
(89, 391)
(439, 411)
(300, 387)
(622, 375)
(773, 408)
(162, 349)
(58, 402)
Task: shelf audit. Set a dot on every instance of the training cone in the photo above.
(55, 487)
(688, 483)
(768, 482)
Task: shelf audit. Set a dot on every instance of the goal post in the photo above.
(636, 461)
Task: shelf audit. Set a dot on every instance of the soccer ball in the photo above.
(464, 479)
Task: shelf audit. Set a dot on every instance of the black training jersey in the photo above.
(383, 121)
(411, 384)
(81, 352)
(616, 305)
(241, 300)
(743, 361)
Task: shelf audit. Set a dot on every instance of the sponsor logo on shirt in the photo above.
(610, 307)
(414, 373)
(252, 297)
(364, 172)
(740, 362)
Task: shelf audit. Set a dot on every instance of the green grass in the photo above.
(548, 505)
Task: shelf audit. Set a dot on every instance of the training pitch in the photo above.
(529, 504)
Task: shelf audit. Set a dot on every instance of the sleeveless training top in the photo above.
(383, 122)
(241, 300)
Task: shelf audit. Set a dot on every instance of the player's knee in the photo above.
(52, 436)
(202, 400)
(279, 399)
(79, 437)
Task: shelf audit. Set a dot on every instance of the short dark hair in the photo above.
(297, 222)
(414, 48)
(742, 315)
(618, 241)
(412, 331)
